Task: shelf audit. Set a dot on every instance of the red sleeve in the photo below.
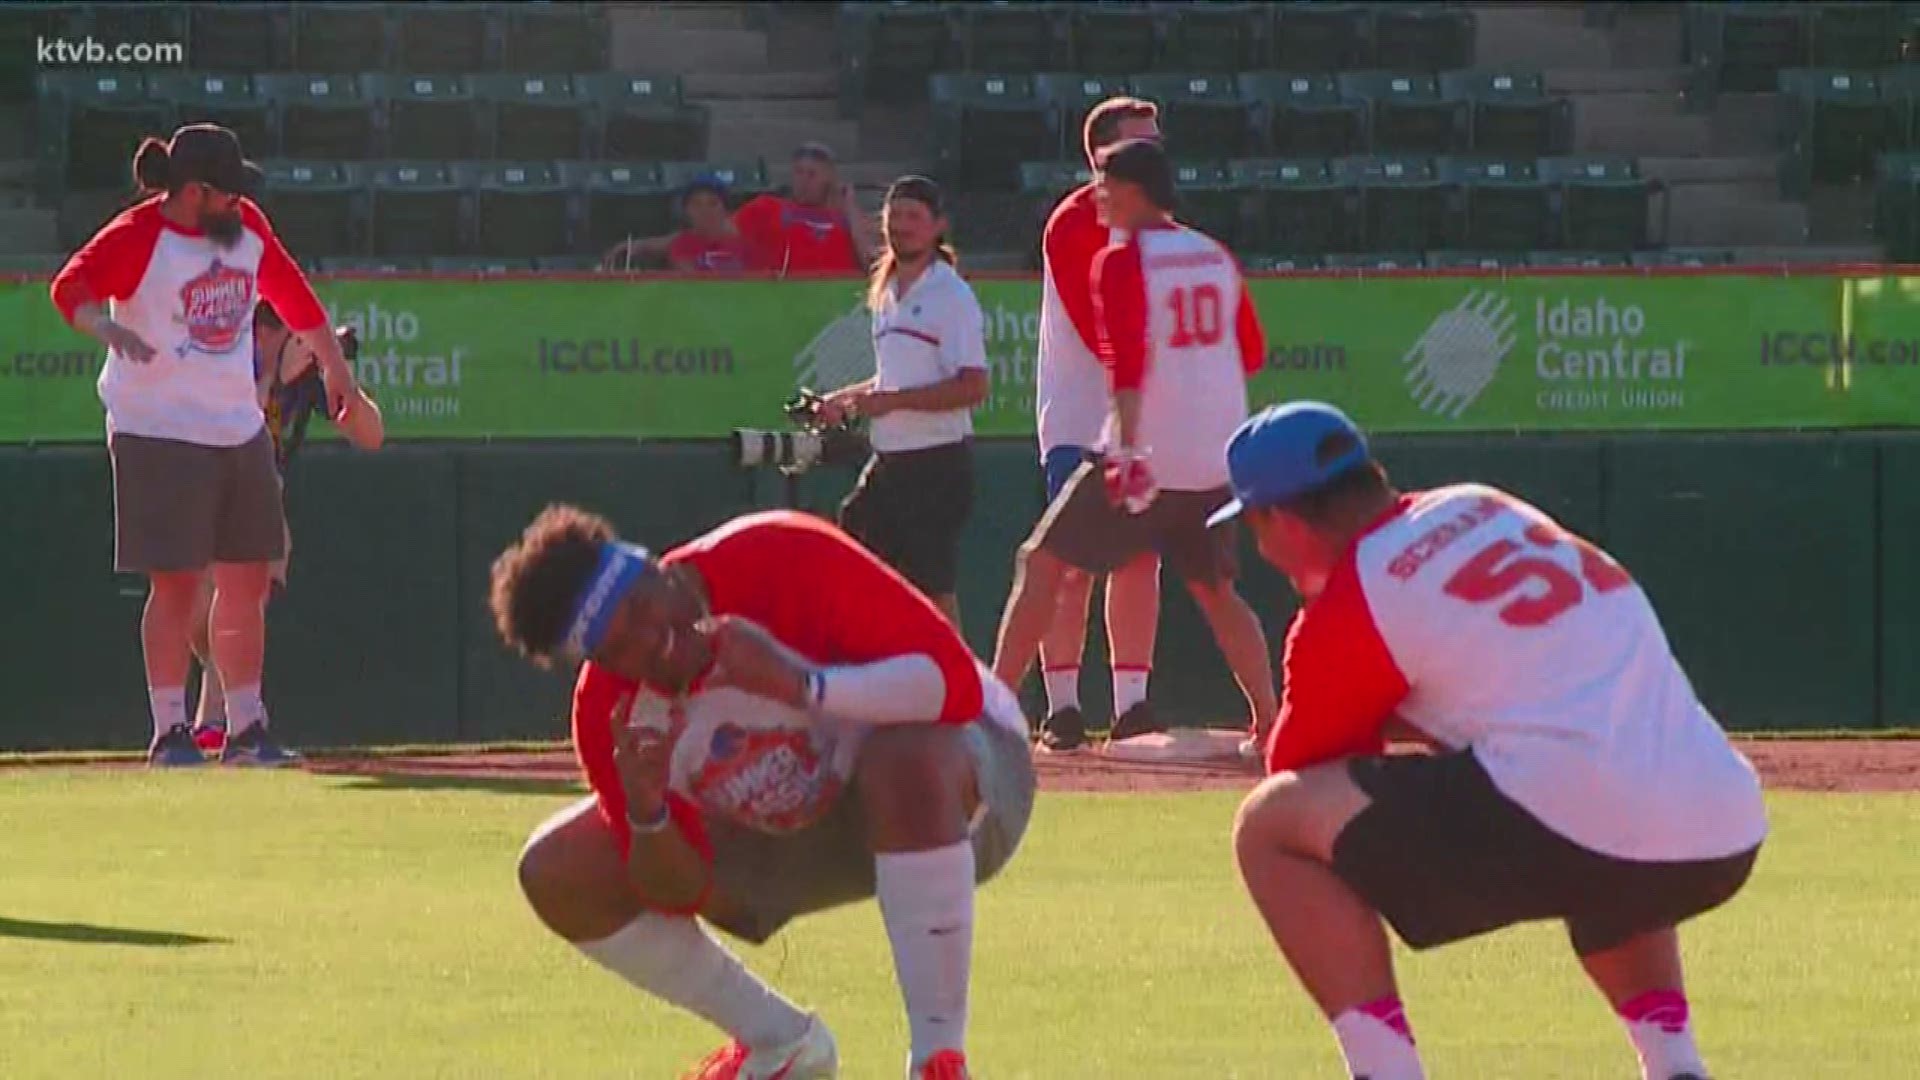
(759, 219)
(598, 697)
(1073, 238)
(282, 283)
(683, 251)
(1252, 337)
(823, 595)
(1341, 683)
(1120, 314)
(109, 266)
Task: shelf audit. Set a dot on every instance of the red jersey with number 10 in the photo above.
(1174, 322)
(1479, 620)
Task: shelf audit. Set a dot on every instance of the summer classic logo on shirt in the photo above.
(218, 307)
(777, 780)
(1459, 354)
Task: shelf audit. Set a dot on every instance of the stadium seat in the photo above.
(227, 99)
(1691, 258)
(744, 179)
(1853, 35)
(1280, 264)
(1303, 115)
(1042, 185)
(428, 117)
(1474, 260)
(1202, 116)
(644, 118)
(554, 37)
(244, 37)
(1836, 125)
(624, 201)
(1210, 200)
(1603, 203)
(1406, 114)
(1900, 92)
(338, 38)
(479, 264)
(21, 27)
(1011, 37)
(1503, 206)
(523, 210)
(320, 117)
(984, 126)
(888, 50)
(1219, 36)
(1510, 114)
(1579, 260)
(1422, 37)
(531, 117)
(147, 23)
(444, 38)
(1112, 38)
(318, 208)
(91, 122)
(420, 209)
(1896, 207)
(1742, 46)
(1321, 37)
(1403, 202)
(1075, 94)
(1299, 208)
(1391, 260)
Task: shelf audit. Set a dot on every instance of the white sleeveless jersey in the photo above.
(1071, 396)
(1537, 650)
(1195, 391)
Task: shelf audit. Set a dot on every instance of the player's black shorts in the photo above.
(909, 508)
(1442, 855)
(1089, 533)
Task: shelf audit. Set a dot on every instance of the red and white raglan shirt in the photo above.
(1479, 620)
(1070, 387)
(1174, 322)
(191, 300)
(757, 763)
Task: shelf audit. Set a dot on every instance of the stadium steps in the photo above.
(712, 86)
(686, 16)
(1735, 215)
(1752, 169)
(1538, 37)
(1841, 214)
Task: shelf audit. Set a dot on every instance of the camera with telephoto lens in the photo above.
(813, 443)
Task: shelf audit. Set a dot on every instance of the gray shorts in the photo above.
(183, 506)
(771, 880)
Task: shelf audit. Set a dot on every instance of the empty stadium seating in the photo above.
(1835, 125)
(984, 126)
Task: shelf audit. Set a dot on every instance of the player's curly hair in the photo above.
(538, 578)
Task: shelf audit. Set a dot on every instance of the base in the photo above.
(1184, 746)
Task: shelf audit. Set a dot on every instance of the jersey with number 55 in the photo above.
(1480, 620)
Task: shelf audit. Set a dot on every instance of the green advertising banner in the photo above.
(526, 358)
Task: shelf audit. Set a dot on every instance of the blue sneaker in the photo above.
(256, 748)
(175, 749)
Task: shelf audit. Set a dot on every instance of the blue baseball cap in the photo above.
(1275, 455)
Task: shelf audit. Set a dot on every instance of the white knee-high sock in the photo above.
(926, 899)
(1377, 1042)
(675, 959)
(1661, 1028)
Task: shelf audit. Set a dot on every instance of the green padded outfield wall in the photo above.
(1787, 569)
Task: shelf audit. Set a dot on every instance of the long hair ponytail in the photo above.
(152, 168)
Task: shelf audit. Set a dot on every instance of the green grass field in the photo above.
(230, 925)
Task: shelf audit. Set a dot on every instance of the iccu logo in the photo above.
(1459, 354)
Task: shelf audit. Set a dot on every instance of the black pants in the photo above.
(909, 508)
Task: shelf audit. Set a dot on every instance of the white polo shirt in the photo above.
(928, 336)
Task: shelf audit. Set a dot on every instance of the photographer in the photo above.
(929, 344)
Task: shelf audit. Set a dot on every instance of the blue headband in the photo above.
(620, 565)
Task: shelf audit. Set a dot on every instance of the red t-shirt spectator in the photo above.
(699, 254)
(788, 237)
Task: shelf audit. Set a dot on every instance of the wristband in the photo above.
(647, 828)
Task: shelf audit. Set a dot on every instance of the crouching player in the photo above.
(1577, 776)
(773, 723)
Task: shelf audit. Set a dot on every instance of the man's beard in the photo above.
(222, 227)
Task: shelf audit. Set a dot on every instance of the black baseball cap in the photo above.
(1143, 162)
(210, 154)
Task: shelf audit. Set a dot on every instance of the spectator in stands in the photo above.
(710, 244)
(169, 287)
(816, 226)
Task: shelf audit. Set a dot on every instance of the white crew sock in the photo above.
(1063, 688)
(926, 899)
(169, 706)
(1662, 1034)
(675, 959)
(1129, 688)
(244, 708)
(1377, 1043)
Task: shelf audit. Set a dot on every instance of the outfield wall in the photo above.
(1786, 567)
